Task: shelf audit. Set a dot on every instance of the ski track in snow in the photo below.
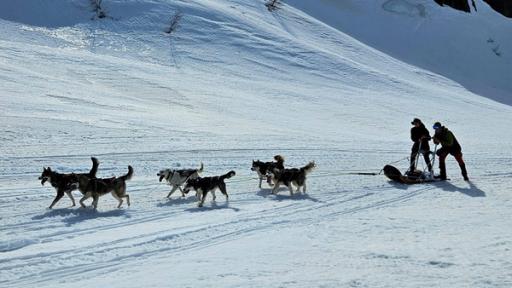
(249, 211)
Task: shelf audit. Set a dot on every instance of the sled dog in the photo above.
(203, 185)
(262, 168)
(287, 177)
(176, 178)
(94, 187)
(66, 183)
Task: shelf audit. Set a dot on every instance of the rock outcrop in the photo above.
(502, 6)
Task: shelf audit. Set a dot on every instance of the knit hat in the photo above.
(437, 125)
(416, 120)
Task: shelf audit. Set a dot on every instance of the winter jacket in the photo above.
(417, 133)
(446, 138)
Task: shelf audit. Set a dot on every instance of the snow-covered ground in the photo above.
(232, 84)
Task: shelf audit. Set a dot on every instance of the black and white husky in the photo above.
(263, 168)
(176, 178)
(208, 184)
(287, 177)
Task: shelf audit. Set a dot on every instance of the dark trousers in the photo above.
(426, 155)
(443, 153)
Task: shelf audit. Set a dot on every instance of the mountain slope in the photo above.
(470, 49)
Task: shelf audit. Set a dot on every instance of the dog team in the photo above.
(92, 187)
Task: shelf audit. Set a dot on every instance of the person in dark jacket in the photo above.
(420, 135)
(450, 145)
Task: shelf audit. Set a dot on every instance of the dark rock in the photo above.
(502, 6)
(462, 5)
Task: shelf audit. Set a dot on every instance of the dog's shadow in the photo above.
(267, 193)
(214, 206)
(176, 201)
(472, 190)
(80, 214)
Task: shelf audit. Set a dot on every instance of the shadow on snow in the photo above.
(80, 214)
(267, 193)
(176, 201)
(472, 190)
(214, 206)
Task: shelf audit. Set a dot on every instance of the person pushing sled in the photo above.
(420, 136)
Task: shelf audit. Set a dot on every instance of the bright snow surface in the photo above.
(232, 84)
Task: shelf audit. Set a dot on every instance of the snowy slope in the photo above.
(236, 83)
(471, 49)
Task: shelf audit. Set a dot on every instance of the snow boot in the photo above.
(442, 172)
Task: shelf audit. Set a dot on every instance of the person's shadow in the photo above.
(472, 190)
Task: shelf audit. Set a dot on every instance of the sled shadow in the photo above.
(176, 201)
(472, 191)
(267, 193)
(214, 206)
(79, 214)
(400, 186)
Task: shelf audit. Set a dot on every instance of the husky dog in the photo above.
(94, 187)
(287, 177)
(176, 178)
(263, 168)
(65, 183)
(203, 185)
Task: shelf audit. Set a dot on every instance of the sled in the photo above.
(418, 177)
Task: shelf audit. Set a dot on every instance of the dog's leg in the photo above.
(182, 193)
(269, 181)
(276, 187)
(60, 193)
(86, 196)
(261, 181)
(213, 193)
(70, 195)
(174, 188)
(223, 190)
(95, 199)
(114, 193)
(298, 187)
(127, 199)
(290, 187)
(304, 187)
(201, 202)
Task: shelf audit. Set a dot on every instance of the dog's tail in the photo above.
(129, 175)
(228, 175)
(200, 170)
(308, 168)
(94, 169)
(279, 159)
